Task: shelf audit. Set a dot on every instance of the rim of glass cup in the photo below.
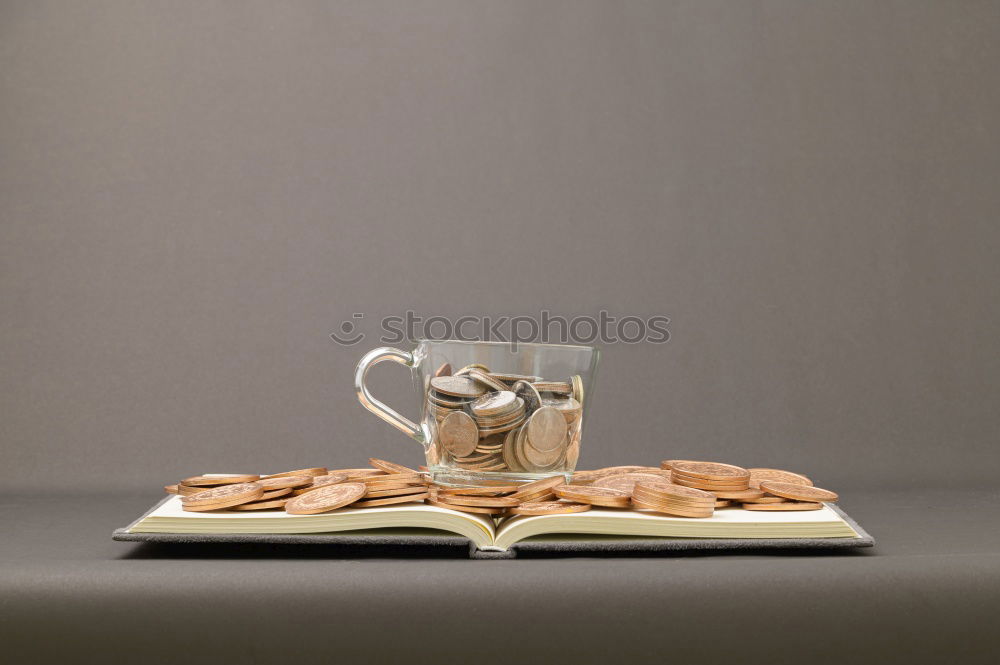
(581, 347)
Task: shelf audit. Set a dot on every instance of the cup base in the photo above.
(451, 477)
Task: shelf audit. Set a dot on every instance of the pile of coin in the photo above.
(680, 488)
(489, 421)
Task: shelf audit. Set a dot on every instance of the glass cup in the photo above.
(492, 413)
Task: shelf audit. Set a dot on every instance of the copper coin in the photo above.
(261, 505)
(509, 452)
(389, 467)
(223, 497)
(184, 490)
(589, 476)
(538, 486)
(741, 495)
(489, 490)
(757, 475)
(412, 477)
(458, 386)
(764, 499)
(466, 509)
(371, 503)
(541, 495)
(329, 479)
(484, 501)
(596, 496)
(625, 481)
(356, 473)
(280, 482)
(546, 430)
(710, 470)
(676, 511)
(549, 508)
(722, 503)
(215, 481)
(797, 492)
(705, 485)
(399, 491)
(443, 370)
(274, 494)
(313, 471)
(170, 489)
(326, 498)
(786, 505)
(669, 490)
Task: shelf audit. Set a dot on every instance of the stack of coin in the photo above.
(663, 497)
(708, 475)
(489, 421)
(594, 496)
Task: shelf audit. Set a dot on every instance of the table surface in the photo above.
(928, 592)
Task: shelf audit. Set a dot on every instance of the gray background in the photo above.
(194, 195)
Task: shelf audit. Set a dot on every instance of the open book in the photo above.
(488, 534)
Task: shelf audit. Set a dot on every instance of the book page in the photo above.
(823, 523)
(170, 517)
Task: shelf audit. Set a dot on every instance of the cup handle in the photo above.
(373, 357)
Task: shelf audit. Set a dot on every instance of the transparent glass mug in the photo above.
(492, 413)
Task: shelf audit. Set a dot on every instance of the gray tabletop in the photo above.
(929, 591)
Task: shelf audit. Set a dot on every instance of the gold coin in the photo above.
(459, 434)
(625, 481)
(389, 467)
(757, 475)
(222, 497)
(797, 492)
(465, 509)
(577, 382)
(443, 370)
(494, 490)
(549, 508)
(596, 496)
(371, 503)
(457, 386)
(314, 471)
(261, 505)
(484, 501)
(709, 470)
(215, 481)
(326, 498)
(538, 485)
(546, 430)
(786, 505)
(281, 482)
